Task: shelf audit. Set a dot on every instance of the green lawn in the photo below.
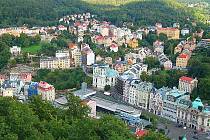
(32, 49)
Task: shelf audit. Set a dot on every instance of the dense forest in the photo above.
(200, 67)
(47, 12)
(39, 120)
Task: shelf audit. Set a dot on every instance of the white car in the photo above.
(184, 127)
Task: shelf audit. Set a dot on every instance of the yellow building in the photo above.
(7, 92)
(55, 63)
(182, 60)
(133, 43)
(172, 33)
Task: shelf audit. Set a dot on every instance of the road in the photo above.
(173, 132)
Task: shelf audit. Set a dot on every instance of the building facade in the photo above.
(33, 89)
(77, 57)
(55, 63)
(62, 53)
(88, 57)
(47, 91)
(182, 61)
(15, 50)
(187, 84)
(170, 104)
(103, 75)
(156, 100)
(172, 33)
(137, 93)
(194, 115)
(136, 70)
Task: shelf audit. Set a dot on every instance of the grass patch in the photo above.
(32, 49)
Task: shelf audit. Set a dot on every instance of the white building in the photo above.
(156, 100)
(62, 53)
(139, 35)
(55, 63)
(133, 58)
(104, 30)
(15, 50)
(168, 65)
(185, 31)
(144, 52)
(88, 56)
(170, 104)
(163, 59)
(159, 49)
(194, 115)
(158, 25)
(103, 75)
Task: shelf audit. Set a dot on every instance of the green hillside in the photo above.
(39, 12)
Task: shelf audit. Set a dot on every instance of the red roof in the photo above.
(77, 23)
(44, 86)
(185, 78)
(114, 46)
(140, 133)
(183, 55)
(99, 37)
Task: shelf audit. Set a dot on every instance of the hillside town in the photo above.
(119, 66)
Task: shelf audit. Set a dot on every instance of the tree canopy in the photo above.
(63, 79)
(39, 120)
(39, 12)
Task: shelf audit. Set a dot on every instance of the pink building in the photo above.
(187, 84)
(47, 91)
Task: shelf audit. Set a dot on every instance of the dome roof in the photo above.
(197, 103)
(111, 73)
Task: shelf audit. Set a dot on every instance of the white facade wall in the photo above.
(62, 54)
(90, 58)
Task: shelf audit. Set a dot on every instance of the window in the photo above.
(208, 123)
